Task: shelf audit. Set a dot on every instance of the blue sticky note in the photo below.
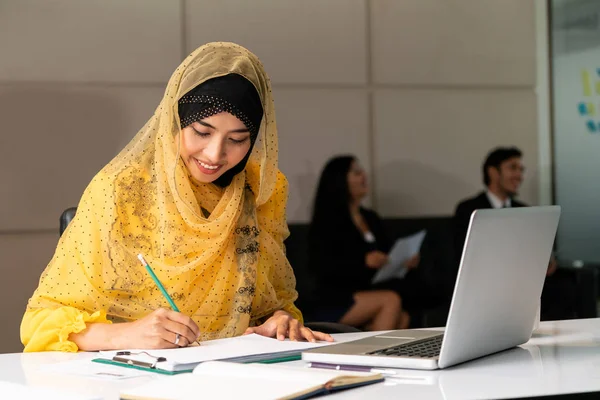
(582, 107)
(591, 125)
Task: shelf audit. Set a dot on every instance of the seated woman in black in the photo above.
(346, 247)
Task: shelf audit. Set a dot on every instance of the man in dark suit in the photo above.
(502, 176)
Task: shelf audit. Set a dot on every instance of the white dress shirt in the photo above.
(496, 202)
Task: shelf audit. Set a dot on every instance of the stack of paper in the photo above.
(248, 348)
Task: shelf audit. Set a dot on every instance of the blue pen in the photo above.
(160, 286)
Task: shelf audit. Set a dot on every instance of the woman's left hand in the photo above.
(282, 325)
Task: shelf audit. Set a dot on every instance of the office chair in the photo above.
(326, 327)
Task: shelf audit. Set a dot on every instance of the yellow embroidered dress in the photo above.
(227, 271)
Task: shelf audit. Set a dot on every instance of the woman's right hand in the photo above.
(376, 259)
(159, 329)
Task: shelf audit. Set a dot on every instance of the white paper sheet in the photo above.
(178, 359)
(402, 251)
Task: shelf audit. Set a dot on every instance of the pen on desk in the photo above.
(357, 368)
(160, 286)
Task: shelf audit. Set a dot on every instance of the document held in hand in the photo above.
(403, 249)
(225, 380)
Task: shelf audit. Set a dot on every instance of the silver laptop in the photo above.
(495, 300)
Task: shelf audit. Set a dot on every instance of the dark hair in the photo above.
(333, 195)
(497, 157)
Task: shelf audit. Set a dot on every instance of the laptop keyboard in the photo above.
(427, 348)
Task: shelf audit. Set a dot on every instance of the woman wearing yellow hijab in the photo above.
(198, 193)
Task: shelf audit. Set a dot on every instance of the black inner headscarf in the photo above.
(230, 93)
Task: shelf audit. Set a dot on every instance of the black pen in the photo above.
(357, 368)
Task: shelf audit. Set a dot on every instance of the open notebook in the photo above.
(241, 349)
(225, 380)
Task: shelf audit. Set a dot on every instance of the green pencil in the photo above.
(160, 286)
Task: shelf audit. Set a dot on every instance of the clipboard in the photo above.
(139, 366)
(151, 366)
(250, 348)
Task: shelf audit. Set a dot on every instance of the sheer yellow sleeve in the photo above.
(294, 311)
(49, 329)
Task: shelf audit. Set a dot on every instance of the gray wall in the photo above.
(419, 90)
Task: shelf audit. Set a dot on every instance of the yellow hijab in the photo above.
(226, 271)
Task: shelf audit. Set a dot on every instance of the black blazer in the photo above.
(462, 216)
(337, 254)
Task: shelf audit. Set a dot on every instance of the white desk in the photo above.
(562, 358)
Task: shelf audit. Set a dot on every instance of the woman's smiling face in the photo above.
(213, 145)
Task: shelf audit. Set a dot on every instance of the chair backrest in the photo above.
(66, 217)
(296, 249)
